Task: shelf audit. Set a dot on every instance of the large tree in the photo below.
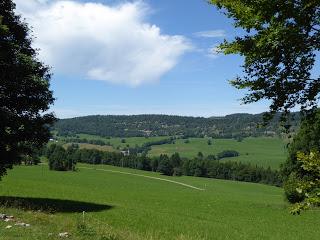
(279, 45)
(24, 91)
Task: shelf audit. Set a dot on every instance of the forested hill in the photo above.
(230, 126)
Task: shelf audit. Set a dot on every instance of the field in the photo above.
(123, 206)
(261, 151)
(93, 146)
(131, 141)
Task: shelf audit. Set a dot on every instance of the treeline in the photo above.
(231, 126)
(84, 140)
(146, 147)
(143, 149)
(172, 165)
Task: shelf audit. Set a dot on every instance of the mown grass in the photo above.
(261, 151)
(141, 208)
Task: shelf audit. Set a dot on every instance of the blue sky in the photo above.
(182, 78)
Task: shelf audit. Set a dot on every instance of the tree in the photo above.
(165, 166)
(24, 91)
(305, 141)
(309, 186)
(176, 163)
(175, 160)
(61, 159)
(200, 155)
(279, 47)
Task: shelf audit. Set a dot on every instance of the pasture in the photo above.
(131, 141)
(121, 204)
(262, 151)
(93, 146)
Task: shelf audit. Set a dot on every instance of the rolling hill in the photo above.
(230, 126)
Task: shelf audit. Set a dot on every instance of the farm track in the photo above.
(140, 175)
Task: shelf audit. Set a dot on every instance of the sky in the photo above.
(136, 57)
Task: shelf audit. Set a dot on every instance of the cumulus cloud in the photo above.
(211, 34)
(101, 42)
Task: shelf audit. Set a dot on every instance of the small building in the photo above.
(126, 152)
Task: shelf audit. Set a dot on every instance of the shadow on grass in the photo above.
(51, 205)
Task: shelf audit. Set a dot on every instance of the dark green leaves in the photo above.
(24, 91)
(279, 49)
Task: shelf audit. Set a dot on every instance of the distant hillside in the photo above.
(230, 126)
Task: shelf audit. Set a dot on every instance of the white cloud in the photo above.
(213, 51)
(211, 34)
(102, 42)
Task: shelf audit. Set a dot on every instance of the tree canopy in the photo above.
(25, 96)
(279, 45)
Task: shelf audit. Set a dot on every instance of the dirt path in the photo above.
(139, 175)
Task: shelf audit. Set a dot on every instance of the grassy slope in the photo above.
(151, 209)
(132, 141)
(92, 146)
(262, 151)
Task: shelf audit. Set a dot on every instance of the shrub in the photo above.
(290, 189)
(227, 154)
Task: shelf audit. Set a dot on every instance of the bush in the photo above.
(227, 154)
(290, 189)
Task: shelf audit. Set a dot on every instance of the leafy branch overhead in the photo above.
(279, 47)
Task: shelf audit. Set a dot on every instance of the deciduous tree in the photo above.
(25, 96)
(279, 47)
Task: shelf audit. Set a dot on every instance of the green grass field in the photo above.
(93, 146)
(120, 206)
(131, 141)
(261, 151)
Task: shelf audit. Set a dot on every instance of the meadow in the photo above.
(123, 206)
(117, 142)
(93, 146)
(263, 151)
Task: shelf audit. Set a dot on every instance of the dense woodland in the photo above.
(230, 126)
(62, 159)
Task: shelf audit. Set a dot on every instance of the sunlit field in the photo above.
(123, 206)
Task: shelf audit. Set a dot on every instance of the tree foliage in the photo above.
(24, 91)
(227, 154)
(309, 186)
(230, 126)
(279, 47)
(61, 159)
(305, 141)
